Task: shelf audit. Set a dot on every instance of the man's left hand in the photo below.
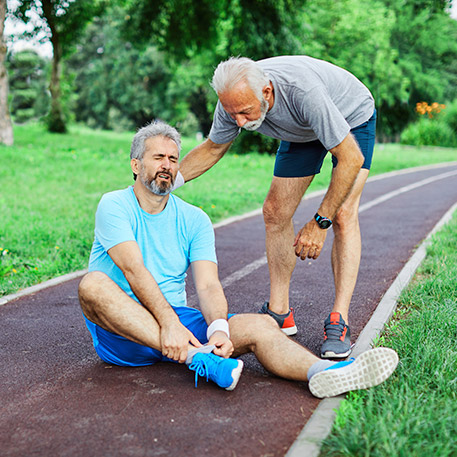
(309, 241)
(224, 346)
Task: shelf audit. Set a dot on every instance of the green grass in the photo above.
(50, 185)
(414, 412)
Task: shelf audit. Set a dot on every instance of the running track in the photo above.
(58, 399)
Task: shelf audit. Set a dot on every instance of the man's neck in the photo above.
(149, 202)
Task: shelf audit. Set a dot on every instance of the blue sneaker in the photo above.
(369, 369)
(224, 372)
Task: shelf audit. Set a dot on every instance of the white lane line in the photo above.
(263, 260)
(229, 280)
(404, 189)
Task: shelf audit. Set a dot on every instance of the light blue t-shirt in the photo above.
(169, 241)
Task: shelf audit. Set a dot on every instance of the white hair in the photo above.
(236, 69)
(155, 128)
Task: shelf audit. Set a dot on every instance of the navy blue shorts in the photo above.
(296, 160)
(117, 350)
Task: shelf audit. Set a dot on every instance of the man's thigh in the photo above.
(117, 350)
(298, 160)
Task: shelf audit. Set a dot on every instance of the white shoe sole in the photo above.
(290, 330)
(236, 373)
(334, 355)
(369, 369)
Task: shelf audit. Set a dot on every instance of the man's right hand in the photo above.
(175, 340)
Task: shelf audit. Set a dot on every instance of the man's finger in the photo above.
(194, 341)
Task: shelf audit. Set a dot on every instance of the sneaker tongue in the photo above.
(335, 318)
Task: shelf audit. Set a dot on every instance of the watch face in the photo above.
(324, 223)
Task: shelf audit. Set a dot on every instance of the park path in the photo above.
(59, 399)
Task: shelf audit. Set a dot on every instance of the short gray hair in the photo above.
(155, 128)
(236, 69)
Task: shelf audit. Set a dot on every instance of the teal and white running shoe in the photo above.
(369, 369)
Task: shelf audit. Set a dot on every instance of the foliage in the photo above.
(426, 59)
(136, 94)
(433, 128)
(27, 80)
(62, 22)
(426, 132)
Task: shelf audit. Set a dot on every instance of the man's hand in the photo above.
(175, 339)
(224, 346)
(309, 241)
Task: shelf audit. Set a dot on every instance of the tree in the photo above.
(63, 22)
(6, 129)
(27, 80)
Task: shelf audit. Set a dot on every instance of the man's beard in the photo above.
(158, 188)
(254, 125)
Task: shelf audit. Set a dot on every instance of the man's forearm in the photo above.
(213, 303)
(350, 161)
(150, 296)
(201, 159)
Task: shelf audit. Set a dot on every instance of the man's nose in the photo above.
(240, 120)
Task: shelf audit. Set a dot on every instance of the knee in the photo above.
(89, 289)
(248, 330)
(274, 214)
(346, 220)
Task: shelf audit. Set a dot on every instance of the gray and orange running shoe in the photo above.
(337, 338)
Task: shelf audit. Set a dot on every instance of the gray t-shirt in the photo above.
(313, 99)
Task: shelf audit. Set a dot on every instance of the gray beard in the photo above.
(158, 189)
(254, 125)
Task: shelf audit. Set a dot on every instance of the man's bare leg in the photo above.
(104, 303)
(347, 246)
(284, 357)
(280, 205)
(279, 354)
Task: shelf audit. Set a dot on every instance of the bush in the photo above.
(254, 142)
(429, 132)
(450, 115)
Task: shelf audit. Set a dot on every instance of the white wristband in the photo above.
(219, 325)
(179, 181)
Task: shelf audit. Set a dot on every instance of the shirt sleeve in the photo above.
(112, 223)
(202, 243)
(324, 118)
(224, 128)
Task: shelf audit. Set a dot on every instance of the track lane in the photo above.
(59, 399)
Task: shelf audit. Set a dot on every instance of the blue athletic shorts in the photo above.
(117, 350)
(296, 160)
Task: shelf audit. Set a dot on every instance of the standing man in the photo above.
(134, 298)
(313, 107)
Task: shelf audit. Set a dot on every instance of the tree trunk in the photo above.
(56, 120)
(6, 128)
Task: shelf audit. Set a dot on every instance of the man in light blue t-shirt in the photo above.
(134, 299)
(313, 107)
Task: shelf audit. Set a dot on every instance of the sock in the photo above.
(204, 349)
(319, 366)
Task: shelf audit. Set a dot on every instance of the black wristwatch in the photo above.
(322, 222)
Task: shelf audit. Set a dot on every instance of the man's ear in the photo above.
(135, 166)
(267, 91)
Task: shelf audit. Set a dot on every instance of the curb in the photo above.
(318, 427)
(43, 285)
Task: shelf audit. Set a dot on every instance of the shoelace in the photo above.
(334, 330)
(201, 368)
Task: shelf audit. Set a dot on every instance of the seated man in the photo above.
(134, 298)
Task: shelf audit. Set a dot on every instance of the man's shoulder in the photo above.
(190, 213)
(117, 196)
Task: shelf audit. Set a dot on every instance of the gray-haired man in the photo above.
(134, 298)
(313, 107)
